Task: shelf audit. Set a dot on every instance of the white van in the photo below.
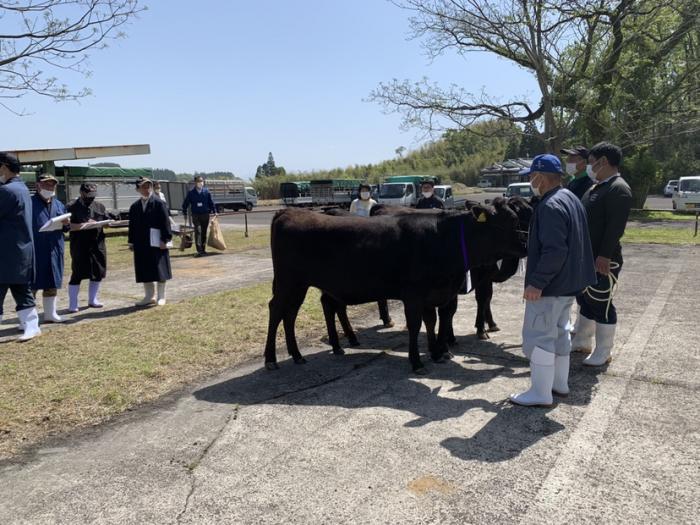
(687, 194)
(520, 189)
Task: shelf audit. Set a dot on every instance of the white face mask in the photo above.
(571, 168)
(364, 195)
(590, 173)
(535, 189)
(427, 194)
(47, 194)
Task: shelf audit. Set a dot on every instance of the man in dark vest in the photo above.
(608, 204)
(16, 240)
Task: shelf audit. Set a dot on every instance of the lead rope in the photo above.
(610, 291)
(465, 256)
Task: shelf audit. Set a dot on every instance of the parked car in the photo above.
(670, 188)
(484, 183)
(687, 195)
(522, 189)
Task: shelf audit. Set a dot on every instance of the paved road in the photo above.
(358, 439)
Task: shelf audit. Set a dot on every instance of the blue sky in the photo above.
(216, 85)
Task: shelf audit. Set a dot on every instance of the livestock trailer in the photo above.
(295, 193)
(334, 192)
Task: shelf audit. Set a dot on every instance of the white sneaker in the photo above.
(604, 340)
(541, 380)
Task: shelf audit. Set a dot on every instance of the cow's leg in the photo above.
(493, 327)
(290, 317)
(342, 311)
(384, 315)
(481, 294)
(430, 320)
(329, 309)
(446, 334)
(276, 308)
(413, 311)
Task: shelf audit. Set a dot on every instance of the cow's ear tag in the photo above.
(482, 217)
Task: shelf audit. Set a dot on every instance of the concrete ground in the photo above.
(359, 439)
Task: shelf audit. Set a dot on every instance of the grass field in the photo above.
(660, 235)
(119, 256)
(78, 375)
(657, 216)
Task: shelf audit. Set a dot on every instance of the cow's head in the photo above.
(496, 233)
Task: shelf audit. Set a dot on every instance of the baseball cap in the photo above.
(89, 188)
(580, 151)
(546, 163)
(46, 176)
(143, 180)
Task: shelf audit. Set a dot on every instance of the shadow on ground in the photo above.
(371, 378)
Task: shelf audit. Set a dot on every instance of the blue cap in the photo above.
(546, 164)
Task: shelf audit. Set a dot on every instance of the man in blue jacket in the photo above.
(559, 266)
(49, 245)
(17, 254)
(199, 199)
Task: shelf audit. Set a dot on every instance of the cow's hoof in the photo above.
(272, 366)
(299, 361)
(338, 351)
(494, 328)
(421, 371)
(482, 336)
(353, 342)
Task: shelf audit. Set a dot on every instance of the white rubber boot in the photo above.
(149, 291)
(561, 375)
(161, 293)
(585, 330)
(604, 340)
(30, 319)
(541, 380)
(50, 314)
(93, 291)
(73, 292)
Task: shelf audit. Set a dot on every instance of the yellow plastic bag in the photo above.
(216, 237)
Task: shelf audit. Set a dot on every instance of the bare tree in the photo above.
(39, 37)
(569, 46)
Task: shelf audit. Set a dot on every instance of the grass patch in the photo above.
(655, 216)
(660, 235)
(79, 375)
(119, 256)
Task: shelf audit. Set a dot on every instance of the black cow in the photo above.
(415, 258)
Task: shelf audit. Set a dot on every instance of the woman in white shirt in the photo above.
(363, 205)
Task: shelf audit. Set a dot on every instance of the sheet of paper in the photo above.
(155, 238)
(55, 224)
(95, 225)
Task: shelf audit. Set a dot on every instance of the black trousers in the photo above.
(200, 221)
(22, 294)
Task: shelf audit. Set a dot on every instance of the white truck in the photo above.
(687, 194)
(405, 190)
